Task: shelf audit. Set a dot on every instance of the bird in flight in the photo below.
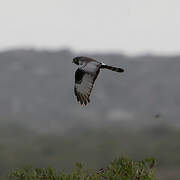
(86, 75)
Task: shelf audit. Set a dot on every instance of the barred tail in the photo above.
(104, 66)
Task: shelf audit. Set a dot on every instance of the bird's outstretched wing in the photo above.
(84, 82)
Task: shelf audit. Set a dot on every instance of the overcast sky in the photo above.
(129, 26)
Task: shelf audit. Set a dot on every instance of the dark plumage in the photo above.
(79, 75)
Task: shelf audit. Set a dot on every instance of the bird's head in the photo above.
(76, 60)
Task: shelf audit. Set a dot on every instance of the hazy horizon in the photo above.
(129, 27)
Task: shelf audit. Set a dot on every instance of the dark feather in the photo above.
(79, 75)
(112, 68)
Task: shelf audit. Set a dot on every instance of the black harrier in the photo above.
(85, 76)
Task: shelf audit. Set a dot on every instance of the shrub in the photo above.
(119, 169)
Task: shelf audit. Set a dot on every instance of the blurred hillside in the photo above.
(135, 113)
(37, 90)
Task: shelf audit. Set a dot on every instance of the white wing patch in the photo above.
(83, 90)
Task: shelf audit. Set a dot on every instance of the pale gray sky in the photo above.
(129, 26)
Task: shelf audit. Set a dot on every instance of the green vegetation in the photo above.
(95, 147)
(119, 169)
